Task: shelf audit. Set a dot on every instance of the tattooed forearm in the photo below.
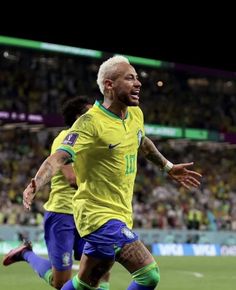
(151, 153)
(44, 174)
(49, 168)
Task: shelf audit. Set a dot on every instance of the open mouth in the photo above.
(135, 95)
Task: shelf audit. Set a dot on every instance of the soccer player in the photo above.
(104, 144)
(61, 236)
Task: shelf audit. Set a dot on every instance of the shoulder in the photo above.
(61, 134)
(85, 119)
(87, 122)
(136, 111)
(58, 139)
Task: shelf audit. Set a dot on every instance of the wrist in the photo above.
(168, 166)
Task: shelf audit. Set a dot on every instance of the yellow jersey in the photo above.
(60, 197)
(104, 148)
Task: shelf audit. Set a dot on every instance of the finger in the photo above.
(184, 185)
(26, 197)
(187, 164)
(28, 194)
(194, 173)
(26, 206)
(25, 201)
(194, 181)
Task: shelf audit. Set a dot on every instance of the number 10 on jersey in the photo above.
(130, 164)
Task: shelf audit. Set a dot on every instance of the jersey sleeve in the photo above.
(81, 136)
(56, 142)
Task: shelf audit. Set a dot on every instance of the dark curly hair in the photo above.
(73, 108)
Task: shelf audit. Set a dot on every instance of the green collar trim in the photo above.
(109, 113)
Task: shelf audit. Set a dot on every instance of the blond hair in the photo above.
(107, 68)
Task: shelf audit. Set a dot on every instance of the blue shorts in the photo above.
(62, 239)
(108, 240)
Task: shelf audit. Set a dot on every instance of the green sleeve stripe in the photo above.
(78, 284)
(75, 281)
(68, 150)
(104, 285)
(144, 270)
(48, 277)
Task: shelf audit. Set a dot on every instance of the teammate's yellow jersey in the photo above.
(104, 148)
(60, 198)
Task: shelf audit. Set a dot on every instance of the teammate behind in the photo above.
(61, 236)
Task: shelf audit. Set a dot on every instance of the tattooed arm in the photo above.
(178, 172)
(151, 153)
(69, 174)
(46, 171)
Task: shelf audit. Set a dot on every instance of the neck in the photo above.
(116, 108)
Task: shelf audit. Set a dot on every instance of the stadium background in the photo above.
(189, 112)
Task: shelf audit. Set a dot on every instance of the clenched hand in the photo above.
(29, 194)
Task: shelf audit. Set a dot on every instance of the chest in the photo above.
(120, 135)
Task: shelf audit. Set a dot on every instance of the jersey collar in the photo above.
(109, 113)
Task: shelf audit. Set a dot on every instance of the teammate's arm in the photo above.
(178, 172)
(46, 171)
(69, 174)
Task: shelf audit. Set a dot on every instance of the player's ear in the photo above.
(108, 84)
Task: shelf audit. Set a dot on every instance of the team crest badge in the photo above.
(139, 135)
(127, 232)
(66, 259)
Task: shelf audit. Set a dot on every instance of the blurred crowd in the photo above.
(35, 82)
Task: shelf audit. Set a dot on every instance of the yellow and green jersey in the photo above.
(60, 198)
(104, 148)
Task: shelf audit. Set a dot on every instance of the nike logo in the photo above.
(112, 146)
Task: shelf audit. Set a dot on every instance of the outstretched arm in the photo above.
(46, 171)
(151, 153)
(178, 172)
